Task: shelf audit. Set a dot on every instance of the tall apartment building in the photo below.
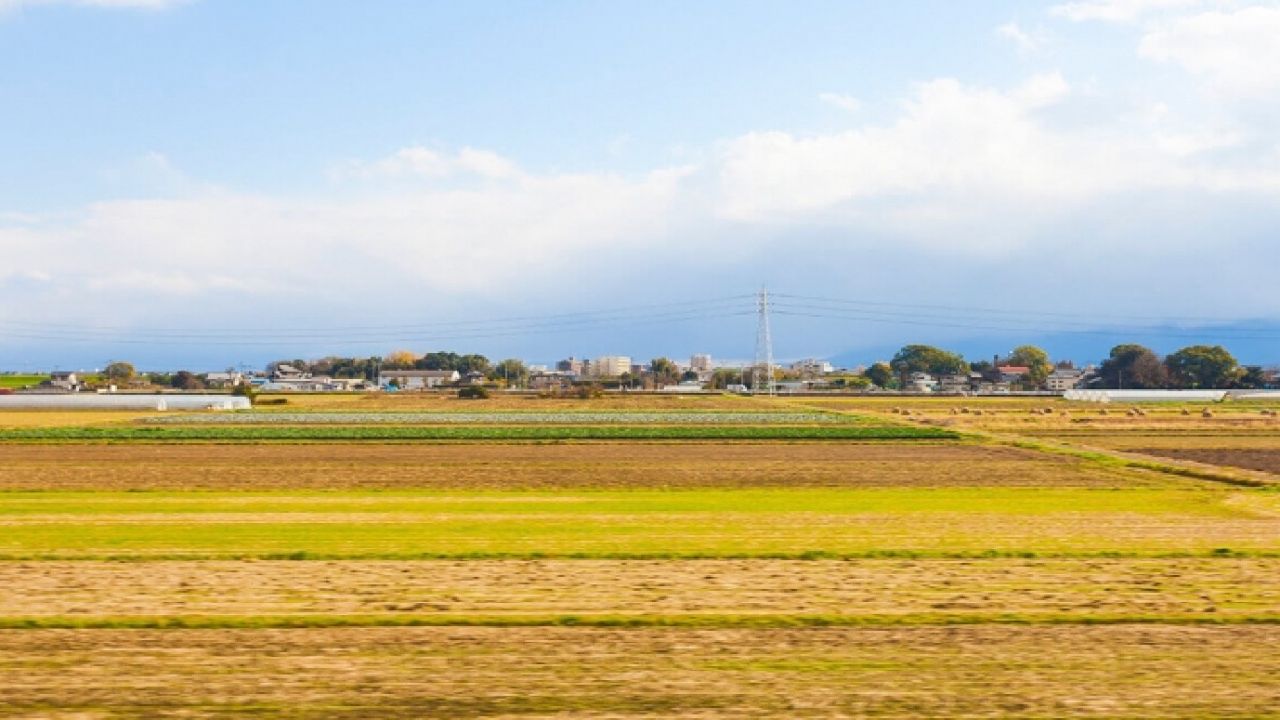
(700, 363)
(610, 365)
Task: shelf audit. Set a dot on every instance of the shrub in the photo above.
(246, 390)
(473, 392)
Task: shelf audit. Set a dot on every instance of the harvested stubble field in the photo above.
(1113, 671)
(978, 579)
(548, 591)
(493, 466)
(468, 432)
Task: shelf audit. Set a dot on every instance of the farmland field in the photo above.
(716, 556)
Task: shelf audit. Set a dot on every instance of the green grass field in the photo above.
(797, 522)
(21, 381)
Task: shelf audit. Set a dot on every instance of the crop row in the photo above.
(502, 418)
(475, 432)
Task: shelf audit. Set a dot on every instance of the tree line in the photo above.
(1128, 366)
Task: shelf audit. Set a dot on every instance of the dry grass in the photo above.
(499, 466)
(869, 590)
(70, 418)
(1115, 671)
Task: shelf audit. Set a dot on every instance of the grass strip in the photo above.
(688, 620)
(303, 556)
(235, 433)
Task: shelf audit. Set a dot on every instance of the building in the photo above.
(417, 379)
(958, 383)
(1064, 379)
(688, 386)
(701, 363)
(1013, 373)
(223, 379)
(64, 380)
(570, 365)
(921, 382)
(550, 380)
(284, 371)
(810, 367)
(610, 366)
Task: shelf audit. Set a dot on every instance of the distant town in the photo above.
(916, 369)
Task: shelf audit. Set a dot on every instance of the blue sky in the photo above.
(208, 182)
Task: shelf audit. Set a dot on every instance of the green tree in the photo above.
(880, 374)
(438, 361)
(928, 359)
(119, 372)
(184, 380)
(1203, 366)
(511, 371)
(473, 363)
(1133, 366)
(722, 378)
(1034, 358)
(663, 370)
(1253, 377)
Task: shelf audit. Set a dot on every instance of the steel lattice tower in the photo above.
(762, 374)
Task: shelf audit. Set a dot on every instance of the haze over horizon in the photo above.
(202, 183)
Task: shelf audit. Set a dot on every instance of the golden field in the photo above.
(1036, 565)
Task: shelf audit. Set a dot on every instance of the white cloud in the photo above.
(417, 161)
(960, 176)
(1236, 53)
(848, 103)
(970, 169)
(1024, 41)
(1117, 11)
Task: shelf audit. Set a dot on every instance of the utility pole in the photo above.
(762, 378)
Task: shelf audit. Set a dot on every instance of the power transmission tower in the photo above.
(762, 375)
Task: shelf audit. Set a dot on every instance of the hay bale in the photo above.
(1207, 413)
(965, 410)
(955, 411)
(1103, 411)
(1186, 411)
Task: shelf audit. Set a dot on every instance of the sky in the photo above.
(208, 183)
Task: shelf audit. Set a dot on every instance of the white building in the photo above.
(417, 379)
(610, 365)
(1064, 379)
(701, 363)
(64, 380)
(811, 366)
(921, 382)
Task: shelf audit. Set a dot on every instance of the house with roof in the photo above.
(1064, 379)
(65, 380)
(1013, 373)
(417, 379)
